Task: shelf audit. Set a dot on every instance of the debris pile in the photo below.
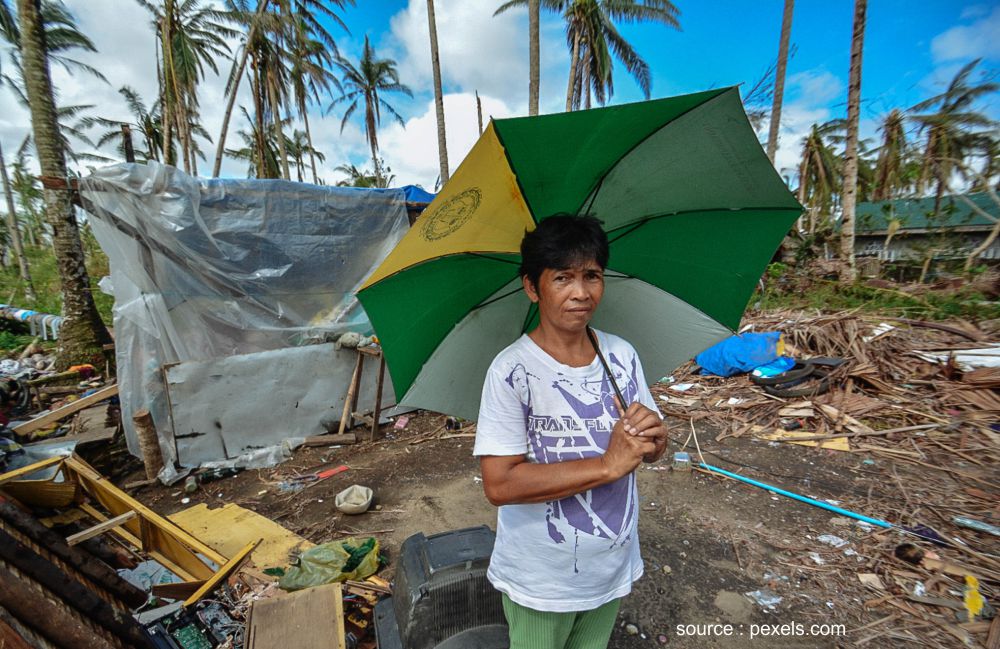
(917, 402)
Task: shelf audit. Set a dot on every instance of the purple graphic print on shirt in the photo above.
(607, 511)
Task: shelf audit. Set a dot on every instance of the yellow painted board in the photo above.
(224, 571)
(836, 444)
(228, 529)
(17, 474)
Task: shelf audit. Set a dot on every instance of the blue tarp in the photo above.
(739, 354)
(416, 194)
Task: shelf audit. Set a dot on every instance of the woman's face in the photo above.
(568, 297)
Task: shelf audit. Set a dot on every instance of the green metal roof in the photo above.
(918, 214)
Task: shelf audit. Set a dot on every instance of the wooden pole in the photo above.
(149, 443)
(127, 143)
(377, 412)
(346, 416)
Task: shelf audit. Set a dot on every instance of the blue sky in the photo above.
(911, 50)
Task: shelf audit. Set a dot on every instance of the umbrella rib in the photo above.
(496, 299)
(631, 227)
(600, 181)
(492, 258)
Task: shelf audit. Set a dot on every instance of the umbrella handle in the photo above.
(607, 370)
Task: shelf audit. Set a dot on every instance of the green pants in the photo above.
(531, 629)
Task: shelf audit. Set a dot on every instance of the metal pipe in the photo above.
(794, 496)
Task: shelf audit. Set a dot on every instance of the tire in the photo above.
(787, 391)
(799, 372)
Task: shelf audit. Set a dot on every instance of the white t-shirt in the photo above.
(580, 552)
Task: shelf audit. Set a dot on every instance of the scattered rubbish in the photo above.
(190, 484)
(740, 354)
(681, 387)
(356, 499)
(872, 580)
(765, 598)
(682, 461)
(973, 524)
(833, 540)
(631, 629)
(185, 500)
(401, 422)
(335, 561)
(818, 560)
(879, 331)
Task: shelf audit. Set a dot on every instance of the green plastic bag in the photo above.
(349, 558)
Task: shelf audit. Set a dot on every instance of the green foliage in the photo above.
(831, 296)
(45, 277)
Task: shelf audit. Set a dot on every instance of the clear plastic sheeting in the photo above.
(207, 269)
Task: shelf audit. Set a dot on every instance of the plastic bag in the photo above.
(331, 562)
(740, 354)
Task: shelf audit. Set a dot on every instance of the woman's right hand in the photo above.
(625, 450)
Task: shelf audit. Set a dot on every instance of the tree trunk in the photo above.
(309, 141)
(15, 232)
(169, 82)
(573, 60)
(279, 135)
(82, 333)
(779, 80)
(850, 193)
(231, 102)
(438, 98)
(260, 144)
(479, 112)
(534, 8)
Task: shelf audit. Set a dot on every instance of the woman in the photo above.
(558, 451)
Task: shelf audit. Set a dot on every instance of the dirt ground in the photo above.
(707, 541)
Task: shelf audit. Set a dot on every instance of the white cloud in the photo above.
(816, 86)
(479, 51)
(412, 152)
(970, 41)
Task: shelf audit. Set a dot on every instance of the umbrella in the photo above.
(692, 207)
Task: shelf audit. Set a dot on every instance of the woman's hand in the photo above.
(632, 439)
(644, 422)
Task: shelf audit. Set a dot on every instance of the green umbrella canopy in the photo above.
(692, 206)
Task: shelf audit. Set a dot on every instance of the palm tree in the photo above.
(948, 120)
(438, 98)
(593, 38)
(890, 167)
(779, 79)
(819, 170)
(299, 147)
(363, 85)
(189, 38)
(260, 149)
(309, 61)
(145, 121)
(364, 178)
(308, 28)
(82, 334)
(14, 232)
(850, 184)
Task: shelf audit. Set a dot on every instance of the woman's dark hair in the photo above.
(561, 241)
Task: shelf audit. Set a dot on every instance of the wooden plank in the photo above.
(136, 544)
(377, 411)
(178, 590)
(227, 529)
(31, 468)
(61, 413)
(100, 528)
(307, 619)
(346, 416)
(227, 569)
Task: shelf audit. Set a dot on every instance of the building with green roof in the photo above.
(952, 232)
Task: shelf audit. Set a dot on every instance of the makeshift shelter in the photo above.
(228, 294)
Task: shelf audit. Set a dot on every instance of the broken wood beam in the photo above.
(44, 421)
(331, 439)
(100, 528)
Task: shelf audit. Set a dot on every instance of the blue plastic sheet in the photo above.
(739, 354)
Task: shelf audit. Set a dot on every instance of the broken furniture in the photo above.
(354, 389)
